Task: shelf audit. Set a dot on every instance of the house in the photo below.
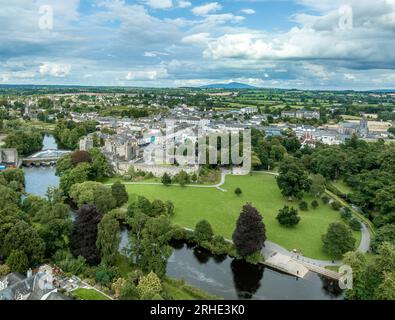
(38, 286)
(249, 110)
(9, 158)
(301, 114)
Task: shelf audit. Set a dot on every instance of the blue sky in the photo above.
(325, 44)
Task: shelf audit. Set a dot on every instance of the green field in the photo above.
(222, 209)
(342, 187)
(88, 294)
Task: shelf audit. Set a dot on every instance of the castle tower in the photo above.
(363, 129)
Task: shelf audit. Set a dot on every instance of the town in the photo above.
(112, 134)
(197, 158)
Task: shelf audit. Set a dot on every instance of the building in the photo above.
(9, 158)
(86, 143)
(361, 129)
(39, 286)
(249, 110)
(301, 114)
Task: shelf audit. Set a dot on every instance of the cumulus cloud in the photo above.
(197, 39)
(207, 9)
(54, 69)
(248, 11)
(146, 75)
(160, 4)
(184, 4)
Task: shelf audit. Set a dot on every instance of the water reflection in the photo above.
(233, 279)
(246, 278)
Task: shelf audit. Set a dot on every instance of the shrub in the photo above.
(18, 261)
(288, 216)
(4, 270)
(325, 199)
(149, 286)
(303, 206)
(354, 224)
(127, 177)
(336, 205)
(238, 191)
(314, 204)
(203, 231)
(345, 213)
(166, 179)
(255, 258)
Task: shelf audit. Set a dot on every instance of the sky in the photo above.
(302, 44)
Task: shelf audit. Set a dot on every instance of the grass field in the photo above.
(88, 294)
(222, 209)
(342, 187)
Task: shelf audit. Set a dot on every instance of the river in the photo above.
(224, 277)
(39, 179)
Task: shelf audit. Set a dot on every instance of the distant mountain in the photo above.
(231, 85)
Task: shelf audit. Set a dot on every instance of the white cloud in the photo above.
(197, 39)
(4, 78)
(160, 4)
(54, 69)
(207, 9)
(349, 76)
(146, 75)
(184, 4)
(248, 11)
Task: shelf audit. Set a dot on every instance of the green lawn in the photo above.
(342, 187)
(222, 209)
(179, 290)
(89, 294)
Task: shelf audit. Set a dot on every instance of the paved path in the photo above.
(216, 186)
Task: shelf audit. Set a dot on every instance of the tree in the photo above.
(100, 167)
(25, 238)
(338, 240)
(76, 175)
(203, 231)
(119, 193)
(84, 235)
(82, 193)
(383, 234)
(303, 206)
(238, 191)
(108, 239)
(80, 156)
(158, 207)
(166, 179)
(18, 261)
(317, 185)
(103, 199)
(169, 208)
(26, 141)
(288, 216)
(293, 180)
(373, 278)
(142, 205)
(314, 204)
(55, 227)
(155, 250)
(16, 175)
(386, 290)
(183, 178)
(149, 286)
(250, 233)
